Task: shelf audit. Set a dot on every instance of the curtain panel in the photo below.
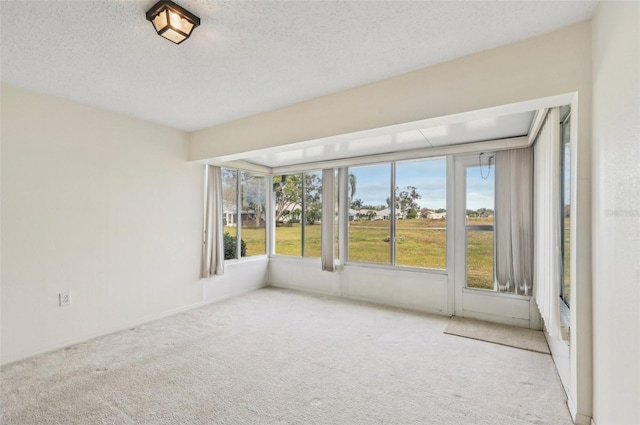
(213, 238)
(547, 221)
(514, 221)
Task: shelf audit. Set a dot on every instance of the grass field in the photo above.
(420, 243)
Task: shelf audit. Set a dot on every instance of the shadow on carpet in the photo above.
(511, 336)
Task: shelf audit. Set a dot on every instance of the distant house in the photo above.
(437, 216)
(229, 216)
(385, 214)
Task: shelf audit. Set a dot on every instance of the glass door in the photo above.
(475, 290)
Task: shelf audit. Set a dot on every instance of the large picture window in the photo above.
(406, 230)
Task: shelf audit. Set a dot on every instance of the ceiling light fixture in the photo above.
(172, 21)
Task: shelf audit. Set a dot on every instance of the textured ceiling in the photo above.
(247, 57)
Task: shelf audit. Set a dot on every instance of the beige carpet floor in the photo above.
(280, 357)
(512, 336)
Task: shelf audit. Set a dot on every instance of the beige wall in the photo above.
(616, 213)
(553, 64)
(81, 190)
(99, 204)
(550, 65)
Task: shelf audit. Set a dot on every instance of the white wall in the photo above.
(616, 213)
(99, 204)
(422, 291)
(239, 277)
(553, 64)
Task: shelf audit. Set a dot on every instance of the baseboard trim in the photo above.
(305, 289)
(393, 304)
(104, 332)
(578, 419)
(367, 300)
(234, 294)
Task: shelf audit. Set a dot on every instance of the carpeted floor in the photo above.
(512, 336)
(280, 357)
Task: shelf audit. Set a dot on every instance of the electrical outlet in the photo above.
(65, 298)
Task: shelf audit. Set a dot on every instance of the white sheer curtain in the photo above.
(547, 216)
(514, 221)
(213, 243)
(328, 217)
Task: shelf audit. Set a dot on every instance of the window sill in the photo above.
(242, 260)
(278, 257)
(396, 268)
(490, 292)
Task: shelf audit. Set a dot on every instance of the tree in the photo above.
(287, 190)
(288, 196)
(356, 204)
(229, 189)
(312, 198)
(406, 201)
(253, 198)
(353, 180)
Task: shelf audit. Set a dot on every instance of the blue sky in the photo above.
(428, 176)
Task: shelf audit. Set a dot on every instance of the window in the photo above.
(369, 214)
(479, 227)
(246, 192)
(298, 213)
(565, 213)
(229, 212)
(406, 230)
(253, 216)
(312, 214)
(421, 202)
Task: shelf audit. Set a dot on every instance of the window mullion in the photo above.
(343, 215)
(392, 214)
(303, 214)
(239, 215)
(269, 225)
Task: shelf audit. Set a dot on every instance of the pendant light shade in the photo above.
(172, 21)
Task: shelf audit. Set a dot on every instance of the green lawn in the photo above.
(420, 243)
(254, 237)
(480, 259)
